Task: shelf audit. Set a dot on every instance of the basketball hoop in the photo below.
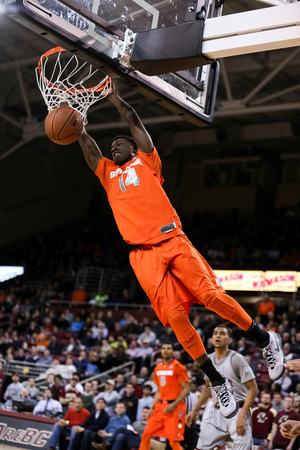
(68, 82)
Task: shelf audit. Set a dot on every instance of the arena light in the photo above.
(9, 272)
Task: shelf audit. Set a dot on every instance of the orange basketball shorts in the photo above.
(170, 426)
(172, 273)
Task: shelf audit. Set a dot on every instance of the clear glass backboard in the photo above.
(95, 31)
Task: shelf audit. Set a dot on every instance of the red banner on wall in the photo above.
(24, 431)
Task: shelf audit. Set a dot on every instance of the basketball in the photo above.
(63, 125)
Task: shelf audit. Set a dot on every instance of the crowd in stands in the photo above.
(73, 345)
(45, 338)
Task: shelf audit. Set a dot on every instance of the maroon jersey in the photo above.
(282, 417)
(70, 394)
(262, 421)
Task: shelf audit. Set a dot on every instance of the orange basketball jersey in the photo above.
(168, 377)
(141, 208)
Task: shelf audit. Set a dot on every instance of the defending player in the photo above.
(170, 270)
(167, 412)
(233, 367)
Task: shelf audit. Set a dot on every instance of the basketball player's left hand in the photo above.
(240, 425)
(170, 408)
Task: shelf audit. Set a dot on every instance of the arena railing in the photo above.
(25, 368)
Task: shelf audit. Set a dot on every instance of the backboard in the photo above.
(99, 30)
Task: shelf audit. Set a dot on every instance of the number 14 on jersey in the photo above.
(131, 178)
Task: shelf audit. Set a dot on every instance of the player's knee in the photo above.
(181, 324)
(219, 303)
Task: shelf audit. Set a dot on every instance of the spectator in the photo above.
(262, 420)
(20, 355)
(57, 387)
(54, 346)
(277, 441)
(69, 393)
(23, 402)
(41, 342)
(285, 382)
(81, 363)
(76, 325)
(78, 386)
(46, 358)
(265, 307)
(34, 357)
(129, 436)
(79, 295)
(71, 347)
(32, 389)
(88, 396)
(137, 388)
(144, 375)
(87, 340)
(130, 400)
(120, 342)
(74, 416)
(147, 335)
(48, 406)
(110, 396)
(13, 389)
(121, 357)
(66, 370)
(287, 351)
(143, 354)
(120, 384)
(103, 362)
(82, 435)
(62, 323)
(99, 330)
(95, 387)
(132, 350)
(277, 402)
(92, 366)
(109, 321)
(145, 401)
(296, 403)
(118, 419)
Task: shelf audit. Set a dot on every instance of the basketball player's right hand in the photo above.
(189, 418)
(111, 89)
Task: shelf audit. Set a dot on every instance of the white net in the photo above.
(70, 82)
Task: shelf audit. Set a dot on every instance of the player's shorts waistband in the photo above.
(240, 403)
(167, 401)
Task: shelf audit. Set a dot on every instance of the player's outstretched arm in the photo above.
(138, 131)
(203, 397)
(90, 150)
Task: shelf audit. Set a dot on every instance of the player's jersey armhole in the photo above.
(100, 163)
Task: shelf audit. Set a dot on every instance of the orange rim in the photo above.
(58, 49)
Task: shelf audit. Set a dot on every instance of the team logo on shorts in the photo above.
(180, 414)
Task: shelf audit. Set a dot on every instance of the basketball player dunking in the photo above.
(170, 270)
